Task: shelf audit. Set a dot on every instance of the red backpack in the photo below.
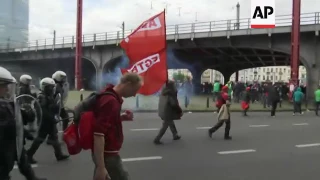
(79, 135)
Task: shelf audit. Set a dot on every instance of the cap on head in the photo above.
(5, 76)
(225, 88)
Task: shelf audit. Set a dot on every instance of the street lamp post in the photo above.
(273, 77)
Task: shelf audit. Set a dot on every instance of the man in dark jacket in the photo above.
(168, 110)
(245, 101)
(274, 99)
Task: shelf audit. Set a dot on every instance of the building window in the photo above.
(276, 69)
(271, 78)
(264, 77)
(276, 78)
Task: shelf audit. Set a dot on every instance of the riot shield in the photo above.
(65, 93)
(19, 131)
(31, 112)
(58, 103)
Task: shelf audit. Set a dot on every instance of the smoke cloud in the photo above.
(112, 74)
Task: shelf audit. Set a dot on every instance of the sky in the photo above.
(101, 16)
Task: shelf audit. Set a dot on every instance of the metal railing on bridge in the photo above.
(220, 25)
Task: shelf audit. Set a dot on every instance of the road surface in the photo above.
(264, 148)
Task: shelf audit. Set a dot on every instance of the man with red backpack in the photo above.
(107, 128)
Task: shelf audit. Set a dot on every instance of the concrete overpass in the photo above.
(222, 45)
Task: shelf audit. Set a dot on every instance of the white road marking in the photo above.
(150, 129)
(307, 145)
(237, 151)
(60, 131)
(204, 127)
(32, 165)
(142, 158)
(253, 126)
(301, 124)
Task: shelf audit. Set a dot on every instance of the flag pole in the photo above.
(165, 39)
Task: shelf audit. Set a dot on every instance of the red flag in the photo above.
(146, 50)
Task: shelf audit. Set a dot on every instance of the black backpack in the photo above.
(88, 104)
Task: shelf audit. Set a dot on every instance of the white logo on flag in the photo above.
(151, 24)
(144, 64)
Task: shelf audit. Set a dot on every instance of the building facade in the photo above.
(261, 74)
(14, 21)
(271, 73)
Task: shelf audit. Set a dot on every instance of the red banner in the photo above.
(146, 50)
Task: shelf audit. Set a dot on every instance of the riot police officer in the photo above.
(48, 125)
(11, 131)
(24, 84)
(27, 100)
(60, 78)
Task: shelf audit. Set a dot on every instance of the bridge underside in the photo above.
(228, 60)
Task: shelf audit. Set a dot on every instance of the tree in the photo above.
(179, 77)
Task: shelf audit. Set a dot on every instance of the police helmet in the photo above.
(59, 76)
(46, 82)
(25, 79)
(14, 80)
(6, 77)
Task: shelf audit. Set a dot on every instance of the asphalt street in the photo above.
(263, 148)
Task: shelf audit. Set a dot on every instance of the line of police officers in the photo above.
(17, 113)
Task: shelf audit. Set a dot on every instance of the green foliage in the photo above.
(179, 77)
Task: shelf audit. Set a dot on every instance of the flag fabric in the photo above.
(146, 50)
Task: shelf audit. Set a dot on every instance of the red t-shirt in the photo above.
(108, 121)
(222, 99)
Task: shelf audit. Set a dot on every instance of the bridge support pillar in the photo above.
(196, 80)
(99, 83)
(237, 76)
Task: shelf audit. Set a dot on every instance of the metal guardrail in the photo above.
(222, 25)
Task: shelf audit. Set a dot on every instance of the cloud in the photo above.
(107, 15)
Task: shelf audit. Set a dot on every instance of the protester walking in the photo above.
(223, 118)
(168, 110)
(274, 99)
(297, 99)
(317, 100)
(108, 133)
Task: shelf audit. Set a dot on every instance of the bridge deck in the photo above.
(309, 22)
